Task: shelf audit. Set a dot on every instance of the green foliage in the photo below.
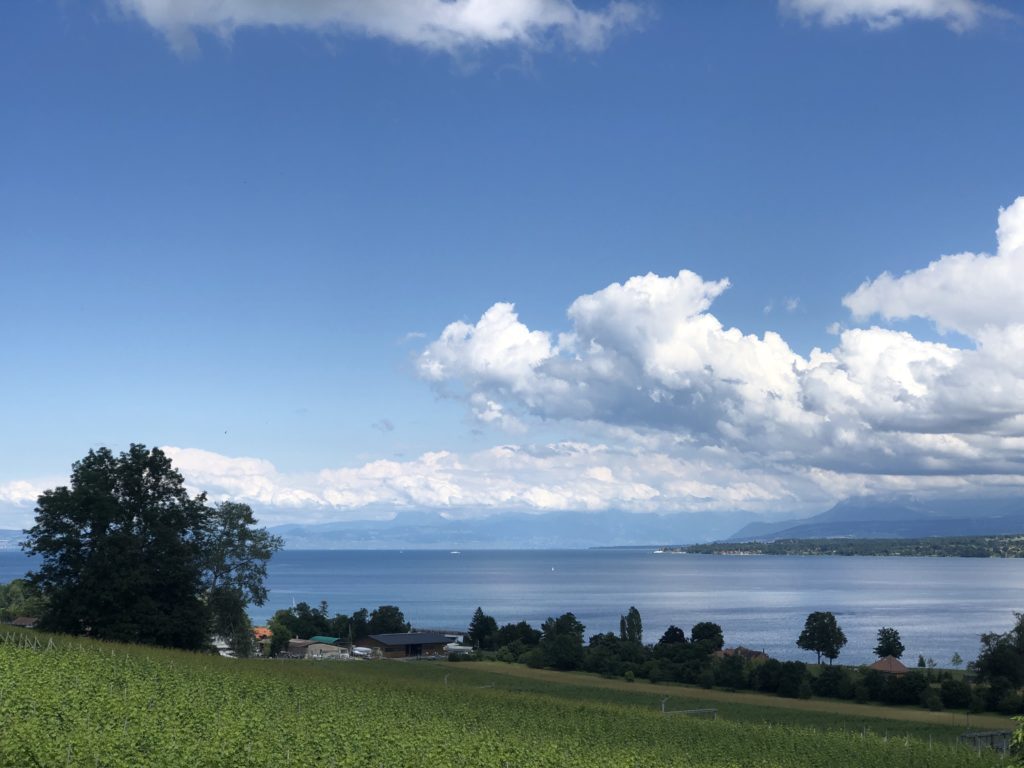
(631, 627)
(561, 642)
(707, 634)
(1002, 655)
(889, 643)
(673, 635)
(386, 619)
(483, 630)
(823, 635)
(20, 598)
(522, 634)
(127, 554)
(88, 704)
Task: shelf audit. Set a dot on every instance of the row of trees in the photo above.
(128, 554)
(559, 644)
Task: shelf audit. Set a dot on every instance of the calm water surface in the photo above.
(939, 605)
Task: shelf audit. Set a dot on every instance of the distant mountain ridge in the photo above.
(896, 518)
(10, 539)
(514, 530)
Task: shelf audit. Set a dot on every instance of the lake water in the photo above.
(939, 605)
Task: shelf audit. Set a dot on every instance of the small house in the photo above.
(404, 645)
(890, 665)
(25, 622)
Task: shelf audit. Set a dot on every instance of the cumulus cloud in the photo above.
(19, 493)
(443, 25)
(885, 14)
(648, 355)
(972, 293)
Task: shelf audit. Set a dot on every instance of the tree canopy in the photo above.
(128, 554)
(483, 630)
(889, 643)
(823, 635)
(631, 627)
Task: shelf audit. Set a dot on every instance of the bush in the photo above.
(1010, 703)
(955, 694)
(706, 679)
(805, 689)
(861, 694)
(630, 677)
(930, 699)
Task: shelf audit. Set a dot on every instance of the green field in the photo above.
(82, 703)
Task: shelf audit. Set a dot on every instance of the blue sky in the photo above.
(240, 230)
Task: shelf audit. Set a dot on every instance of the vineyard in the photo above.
(79, 703)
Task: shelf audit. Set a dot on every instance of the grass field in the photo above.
(80, 703)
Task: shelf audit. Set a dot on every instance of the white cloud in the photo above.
(966, 292)
(884, 14)
(648, 355)
(444, 25)
(20, 493)
(634, 476)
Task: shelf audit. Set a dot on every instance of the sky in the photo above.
(342, 258)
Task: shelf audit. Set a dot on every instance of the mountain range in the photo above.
(896, 518)
(513, 530)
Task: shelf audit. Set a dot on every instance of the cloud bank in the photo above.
(440, 25)
(885, 14)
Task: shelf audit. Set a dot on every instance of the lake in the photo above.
(939, 605)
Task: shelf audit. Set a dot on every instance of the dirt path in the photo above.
(840, 708)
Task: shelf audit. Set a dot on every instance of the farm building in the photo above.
(890, 665)
(26, 622)
(401, 645)
(327, 640)
(325, 651)
(297, 648)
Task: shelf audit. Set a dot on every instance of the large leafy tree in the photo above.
(561, 643)
(823, 635)
(889, 643)
(128, 554)
(385, 619)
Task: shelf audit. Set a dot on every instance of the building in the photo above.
(297, 648)
(25, 622)
(404, 645)
(327, 640)
(890, 665)
(317, 650)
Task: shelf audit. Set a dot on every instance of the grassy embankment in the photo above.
(81, 703)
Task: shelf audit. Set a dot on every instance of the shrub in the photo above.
(956, 694)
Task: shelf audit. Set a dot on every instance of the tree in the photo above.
(236, 556)
(673, 636)
(708, 634)
(956, 661)
(561, 642)
(483, 630)
(127, 554)
(823, 635)
(19, 598)
(889, 643)
(631, 627)
(386, 619)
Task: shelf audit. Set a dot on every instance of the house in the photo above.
(25, 622)
(403, 645)
(890, 665)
